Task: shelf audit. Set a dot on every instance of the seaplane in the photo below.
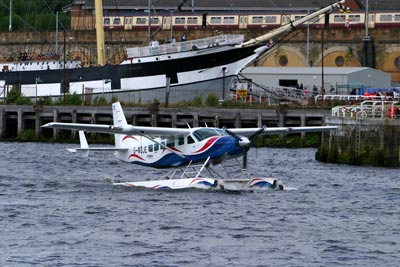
(187, 153)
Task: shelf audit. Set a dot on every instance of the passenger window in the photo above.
(170, 143)
(181, 140)
(150, 148)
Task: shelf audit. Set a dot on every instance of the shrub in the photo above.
(197, 101)
(212, 100)
(100, 101)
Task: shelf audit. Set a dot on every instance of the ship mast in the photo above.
(290, 26)
(99, 32)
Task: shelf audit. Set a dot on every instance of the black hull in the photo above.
(204, 60)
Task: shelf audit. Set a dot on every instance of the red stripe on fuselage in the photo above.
(129, 136)
(197, 179)
(209, 143)
(136, 156)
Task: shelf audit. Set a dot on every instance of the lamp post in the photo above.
(36, 81)
(322, 68)
(57, 32)
(172, 11)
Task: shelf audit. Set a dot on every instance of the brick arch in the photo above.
(331, 54)
(388, 63)
(295, 58)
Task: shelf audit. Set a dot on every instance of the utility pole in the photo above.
(10, 22)
(322, 68)
(149, 24)
(57, 32)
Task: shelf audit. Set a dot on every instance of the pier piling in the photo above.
(14, 120)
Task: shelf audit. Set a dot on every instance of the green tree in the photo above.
(16, 97)
(39, 15)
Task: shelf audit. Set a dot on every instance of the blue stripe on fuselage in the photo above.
(224, 145)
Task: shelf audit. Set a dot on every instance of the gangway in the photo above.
(275, 94)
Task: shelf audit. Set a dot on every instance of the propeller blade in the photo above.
(257, 133)
(244, 167)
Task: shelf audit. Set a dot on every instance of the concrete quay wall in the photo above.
(14, 120)
(364, 141)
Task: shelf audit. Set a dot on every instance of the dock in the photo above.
(368, 134)
(14, 120)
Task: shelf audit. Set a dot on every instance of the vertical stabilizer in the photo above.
(119, 121)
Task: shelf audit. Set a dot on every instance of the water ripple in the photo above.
(58, 210)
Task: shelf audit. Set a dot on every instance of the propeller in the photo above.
(245, 143)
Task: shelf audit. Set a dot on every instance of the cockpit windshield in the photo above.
(205, 133)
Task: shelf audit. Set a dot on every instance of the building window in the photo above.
(155, 21)
(180, 20)
(356, 18)
(229, 20)
(255, 20)
(141, 20)
(216, 20)
(339, 18)
(270, 19)
(117, 21)
(283, 60)
(107, 21)
(386, 17)
(339, 61)
(192, 20)
(297, 17)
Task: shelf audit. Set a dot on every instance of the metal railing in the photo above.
(367, 109)
(228, 39)
(354, 98)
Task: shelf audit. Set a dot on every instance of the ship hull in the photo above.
(203, 70)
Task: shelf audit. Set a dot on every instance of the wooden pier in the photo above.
(14, 120)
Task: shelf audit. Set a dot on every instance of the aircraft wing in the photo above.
(279, 130)
(128, 130)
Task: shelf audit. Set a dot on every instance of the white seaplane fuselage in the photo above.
(196, 146)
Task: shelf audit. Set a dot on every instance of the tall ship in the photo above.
(195, 66)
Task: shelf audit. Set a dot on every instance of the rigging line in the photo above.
(123, 22)
(25, 22)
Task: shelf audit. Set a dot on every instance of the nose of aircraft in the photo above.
(244, 142)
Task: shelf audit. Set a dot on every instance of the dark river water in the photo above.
(58, 210)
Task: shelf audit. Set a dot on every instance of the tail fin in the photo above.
(119, 120)
(83, 151)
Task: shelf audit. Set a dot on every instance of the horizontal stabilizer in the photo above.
(99, 149)
(83, 151)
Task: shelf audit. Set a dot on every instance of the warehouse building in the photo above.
(343, 80)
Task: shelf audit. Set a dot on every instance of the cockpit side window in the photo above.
(205, 133)
(190, 140)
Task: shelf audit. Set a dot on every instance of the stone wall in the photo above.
(337, 43)
(361, 142)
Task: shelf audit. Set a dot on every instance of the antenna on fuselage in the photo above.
(188, 125)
